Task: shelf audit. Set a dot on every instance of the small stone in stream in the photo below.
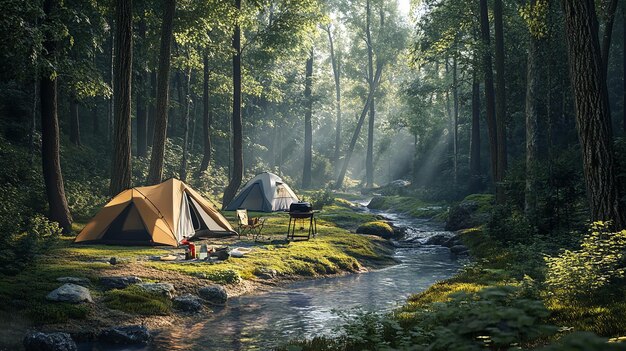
(49, 342)
(128, 335)
(113, 261)
(74, 280)
(163, 289)
(453, 241)
(214, 294)
(459, 249)
(119, 282)
(438, 239)
(188, 303)
(71, 293)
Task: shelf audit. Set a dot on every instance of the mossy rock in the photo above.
(377, 203)
(378, 228)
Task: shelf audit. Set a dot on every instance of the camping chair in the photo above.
(249, 225)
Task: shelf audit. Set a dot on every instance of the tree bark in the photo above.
(308, 130)
(624, 67)
(155, 173)
(74, 122)
(337, 75)
(109, 122)
(142, 80)
(207, 117)
(532, 122)
(475, 142)
(489, 91)
(121, 164)
(500, 102)
(455, 123)
(357, 131)
(369, 156)
(237, 170)
(183, 163)
(50, 150)
(592, 112)
(152, 108)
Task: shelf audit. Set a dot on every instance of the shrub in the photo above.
(600, 261)
(322, 198)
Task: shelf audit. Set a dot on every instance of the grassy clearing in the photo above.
(334, 250)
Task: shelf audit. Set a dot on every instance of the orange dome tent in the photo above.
(162, 214)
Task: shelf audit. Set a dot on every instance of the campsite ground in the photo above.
(334, 251)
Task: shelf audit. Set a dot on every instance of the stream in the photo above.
(308, 308)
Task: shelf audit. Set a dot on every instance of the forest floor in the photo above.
(335, 251)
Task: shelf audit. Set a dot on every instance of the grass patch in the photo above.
(137, 301)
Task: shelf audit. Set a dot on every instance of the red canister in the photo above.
(192, 249)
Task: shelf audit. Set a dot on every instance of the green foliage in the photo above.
(50, 313)
(322, 198)
(584, 341)
(138, 301)
(594, 268)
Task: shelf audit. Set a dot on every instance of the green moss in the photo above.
(379, 228)
(407, 205)
(137, 301)
(485, 202)
(55, 312)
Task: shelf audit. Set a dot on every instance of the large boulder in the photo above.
(378, 228)
(439, 238)
(188, 303)
(74, 280)
(163, 289)
(119, 282)
(128, 335)
(71, 293)
(49, 342)
(215, 294)
(377, 203)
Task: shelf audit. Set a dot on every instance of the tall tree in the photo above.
(489, 91)
(533, 102)
(207, 116)
(500, 101)
(611, 8)
(121, 164)
(359, 125)
(592, 111)
(475, 140)
(455, 122)
(152, 108)
(369, 157)
(142, 91)
(308, 130)
(186, 106)
(74, 121)
(155, 173)
(50, 150)
(237, 170)
(336, 62)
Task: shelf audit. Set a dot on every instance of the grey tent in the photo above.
(264, 193)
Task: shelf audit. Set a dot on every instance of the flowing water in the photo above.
(308, 308)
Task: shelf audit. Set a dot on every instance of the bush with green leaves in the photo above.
(322, 198)
(591, 270)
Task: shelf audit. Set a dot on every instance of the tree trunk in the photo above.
(183, 163)
(489, 92)
(74, 122)
(155, 173)
(50, 150)
(142, 80)
(369, 156)
(532, 122)
(95, 120)
(109, 126)
(592, 112)
(33, 123)
(500, 102)
(337, 75)
(357, 131)
(308, 130)
(207, 117)
(608, 33)
(475, 183)
(624, 67)
(237, 170)
(455, 129)
(121, 165)
(152, 108)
